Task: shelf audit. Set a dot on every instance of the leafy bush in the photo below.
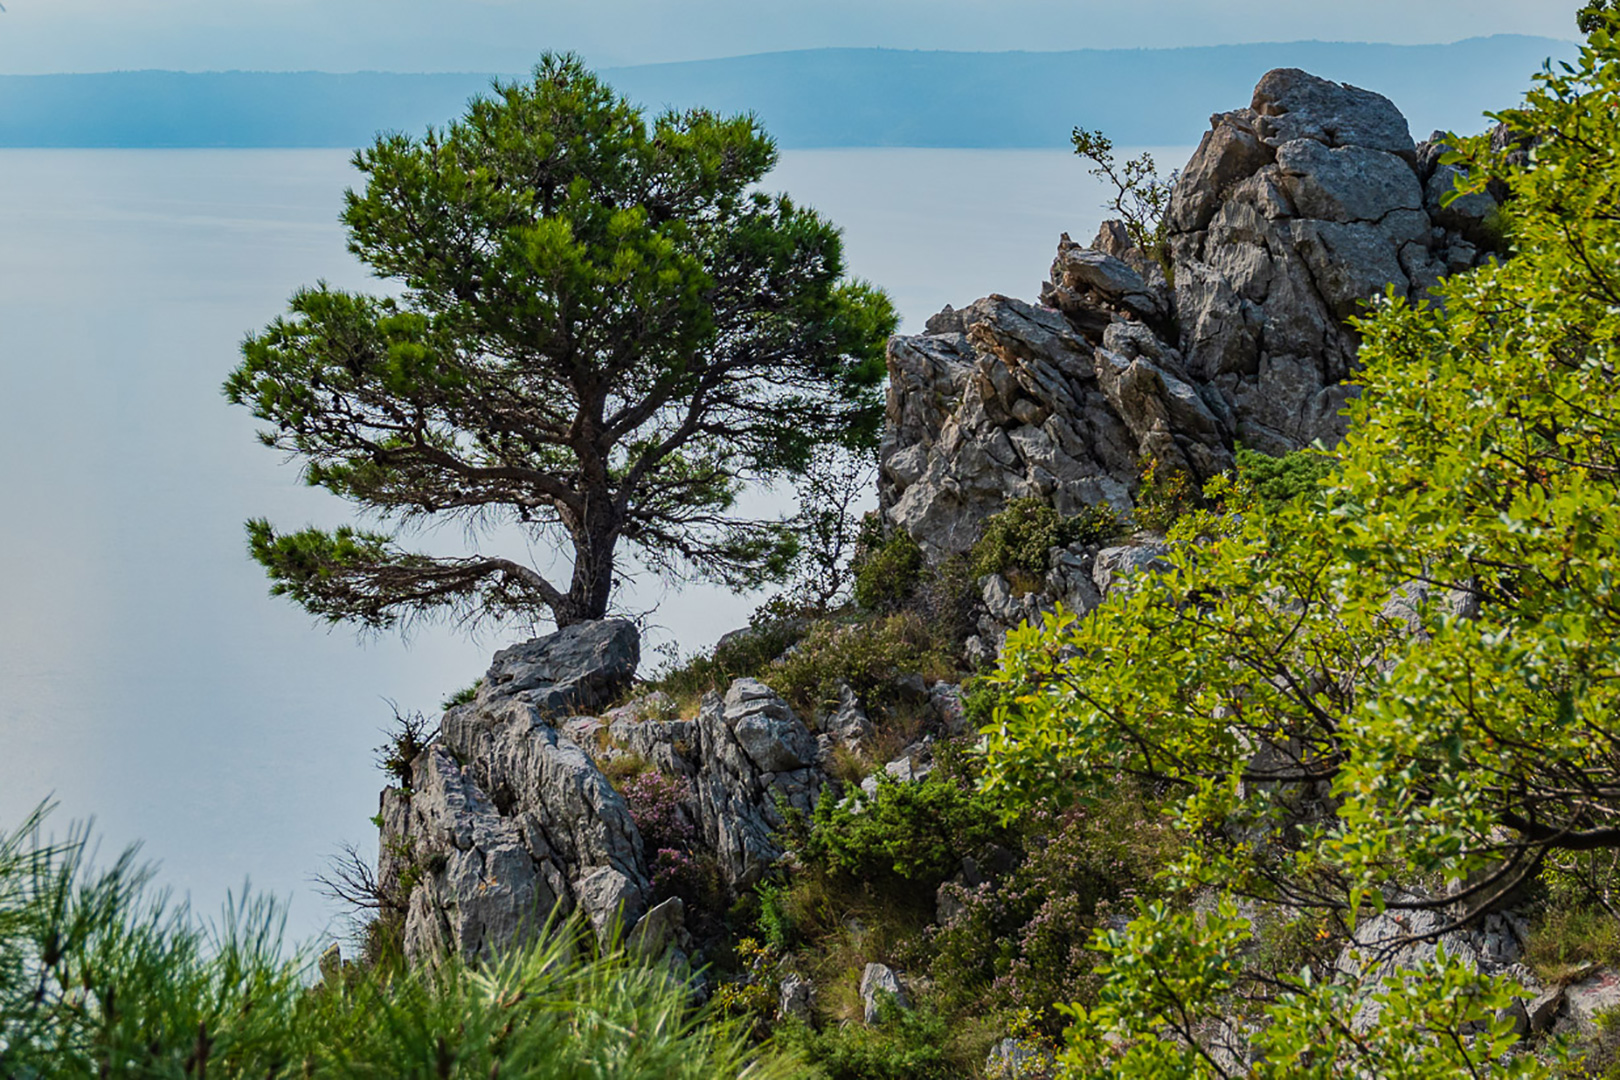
(1163, 496)
(775, 919)
(887, 571)
(979, 699)
(1024, 942)
(917, 832)
(1277, 480)
(868, 657)
(1141, 195)
(905, 1044)
(407, 737)
(462, 696)
(1019, 537)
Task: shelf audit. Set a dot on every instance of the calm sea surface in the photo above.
(145, 677)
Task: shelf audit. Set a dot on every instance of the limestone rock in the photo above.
(737, 801)
(1585, 1000)
(1015, 1059)
(1292, 104)
(1008, 407)
(662, 927)
(1113, 567)
(772, 737)
(1085, 280)
(572, 671)
(879, 981)
(1293, 214)
(530, 825)
(485, 883)
(849, 723)
(797, 998)
(1071, 581)
(1400, 939)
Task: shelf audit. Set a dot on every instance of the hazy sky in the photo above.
(38, 36)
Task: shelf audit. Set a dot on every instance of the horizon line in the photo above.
(803, 52)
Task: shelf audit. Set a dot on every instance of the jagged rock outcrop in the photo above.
(1290, 217)
(509, 816)
(506, 817)
(1005, 400)
(1292, 214)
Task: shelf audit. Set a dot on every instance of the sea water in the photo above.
(146, 679)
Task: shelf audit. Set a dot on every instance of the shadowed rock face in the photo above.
(1290, 217)
(509, 818)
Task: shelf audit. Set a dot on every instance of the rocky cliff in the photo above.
(1290, 217)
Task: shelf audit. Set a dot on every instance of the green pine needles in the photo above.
(602, 333)
(101, 977)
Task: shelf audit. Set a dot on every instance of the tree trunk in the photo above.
(592, 582)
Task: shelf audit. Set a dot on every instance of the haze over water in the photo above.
(145, 676)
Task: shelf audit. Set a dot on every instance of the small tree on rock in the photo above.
(603, 333)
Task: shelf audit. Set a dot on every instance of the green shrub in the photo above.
(1278, 480)
(775, 920)
(462, 696)
(916, 832)
(888, 571)
(1164, 495)
(745, 655)
(867, 656)
(1017, 539)
(408, 736)
(905, 1044)
(1023, 943)
(979, 700)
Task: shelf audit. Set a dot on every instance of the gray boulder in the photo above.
(772, 737)
(879, 981)
(1113, 567)
(1585, 1000)
(574, 670)
(1292, 215)
(1291, 104)
(797, 998)
(738, 802)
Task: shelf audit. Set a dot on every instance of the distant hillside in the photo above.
(814, 98)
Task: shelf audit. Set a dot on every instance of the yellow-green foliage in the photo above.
(1482, 461)
(1018, 538)
(868, 656)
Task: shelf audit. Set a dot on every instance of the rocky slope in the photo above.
(1292, 215)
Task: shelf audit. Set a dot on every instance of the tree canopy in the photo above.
(1398, 691)
(602, 332)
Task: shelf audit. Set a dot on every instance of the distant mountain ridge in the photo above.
(811, 98)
